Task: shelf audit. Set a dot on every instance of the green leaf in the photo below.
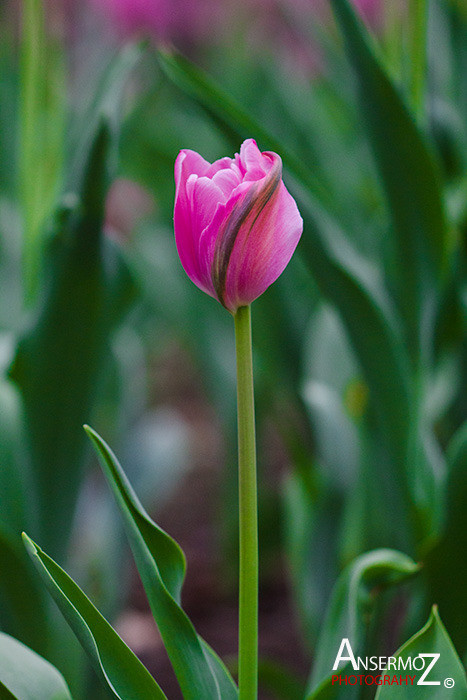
(445, 565)
(352, 601)
(432, 639)
(15, 486)
(60, 357)
(116, 665)
(42, 130)
(409, 175)
(27, 676)
(161, 565)
(22, 603)
(22, 600)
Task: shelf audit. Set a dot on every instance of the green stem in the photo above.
(418, 22)
(248, 599)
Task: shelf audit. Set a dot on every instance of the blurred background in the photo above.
(359, 347)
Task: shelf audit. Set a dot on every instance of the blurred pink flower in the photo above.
(371, 10)
(236, 225)
(127, 203)
(166, 20)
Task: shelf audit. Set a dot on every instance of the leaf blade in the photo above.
(28, 676)
(198, 670)
(116, 665)
(432, 638)
(407, 169)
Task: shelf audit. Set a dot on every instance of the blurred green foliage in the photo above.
(360, 348)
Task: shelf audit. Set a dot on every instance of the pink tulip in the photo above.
(236, 225)
(371, 10)
(163, 20)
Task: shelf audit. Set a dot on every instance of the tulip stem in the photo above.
(248, 510)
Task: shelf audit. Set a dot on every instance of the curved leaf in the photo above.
(408, 173)
(161, 565)
(432, 639)
(116, 665)
(351, 603)
(27, 676)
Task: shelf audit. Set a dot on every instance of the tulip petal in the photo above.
(189, 162)
(228, 179)
(206, 195)
(243, 235)
(259, 257)
(185, 165)
(211, 237)
(221, 164)
(255, 164)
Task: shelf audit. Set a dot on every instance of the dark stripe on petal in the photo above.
(252, 205)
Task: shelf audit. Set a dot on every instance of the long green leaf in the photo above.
(408, 173)
(116, 665)
(447, 671)
(161, 565)
(351, 603)
(60, 357)
(446, 565)
(42, 130)
(15, 482)
(27, 676)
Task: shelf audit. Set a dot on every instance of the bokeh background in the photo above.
(359, 347)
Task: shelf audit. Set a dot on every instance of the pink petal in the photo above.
(271, 244)
(221, 164)
(227, 179)
(255, 240)
(255, 164)
(205, 198)
(187, 162)
(212, 234)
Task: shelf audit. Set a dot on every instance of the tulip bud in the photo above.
(236, 225)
